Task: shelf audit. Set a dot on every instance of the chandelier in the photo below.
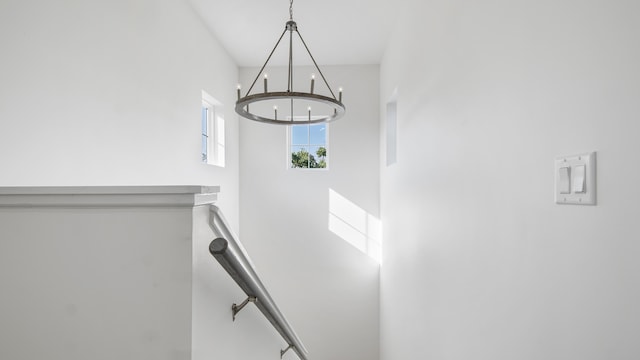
(296, 107)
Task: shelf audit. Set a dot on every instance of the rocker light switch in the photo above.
(564, 182)
(575, 179)
(579, 179)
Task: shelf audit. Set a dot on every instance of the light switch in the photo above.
(575, 179)
(579, 186)
(564, 182)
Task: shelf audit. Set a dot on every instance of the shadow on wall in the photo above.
(355, 226)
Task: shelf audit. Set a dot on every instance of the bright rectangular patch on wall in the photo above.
(355, 226)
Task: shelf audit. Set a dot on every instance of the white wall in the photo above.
(95, 283)
(325, 287)
(479, 261)
(108, 93)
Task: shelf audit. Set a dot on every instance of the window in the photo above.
(206, 115)
(392, 129)
(308, 146)
(212, 129)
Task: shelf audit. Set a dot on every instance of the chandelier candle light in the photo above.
(326, 108)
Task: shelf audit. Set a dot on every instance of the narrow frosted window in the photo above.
(392, 129)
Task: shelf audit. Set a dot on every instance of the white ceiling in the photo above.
(337, 32)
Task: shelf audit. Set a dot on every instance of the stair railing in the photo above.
(234, 259)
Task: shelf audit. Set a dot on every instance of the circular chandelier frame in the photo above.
(242, 107)
(330, 102)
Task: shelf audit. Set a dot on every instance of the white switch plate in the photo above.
(588, 194)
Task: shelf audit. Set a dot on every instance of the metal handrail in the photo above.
(234, 259)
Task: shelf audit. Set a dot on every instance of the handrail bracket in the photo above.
(282, 352)
(237, 308)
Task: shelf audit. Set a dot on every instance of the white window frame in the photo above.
(326, 146)
(215, 132)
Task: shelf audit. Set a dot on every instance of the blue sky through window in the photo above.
(299, 135)
(317, 134)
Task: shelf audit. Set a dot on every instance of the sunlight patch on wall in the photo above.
(355, 226)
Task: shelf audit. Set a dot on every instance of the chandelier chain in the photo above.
(290, 9)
